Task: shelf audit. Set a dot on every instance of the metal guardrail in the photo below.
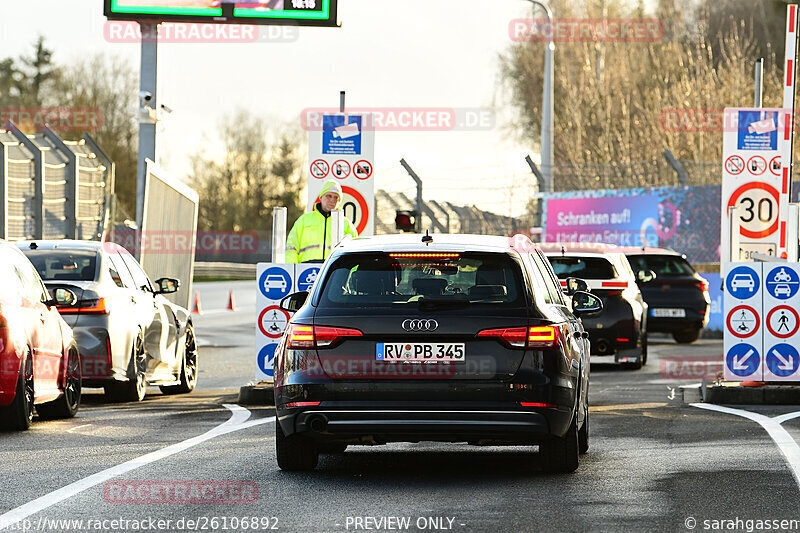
(224, 271)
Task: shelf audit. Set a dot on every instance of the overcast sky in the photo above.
(409, 54)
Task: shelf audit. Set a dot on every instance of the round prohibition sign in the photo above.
(320, 168)
(341, 169)
(745, 314)
(734, 165)
(782, 321)
(755, 211)
(362, 170)
(274, 331)
(361, 223)
(775, 165)
(757, 165)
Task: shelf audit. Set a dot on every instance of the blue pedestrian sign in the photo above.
(743, 360)
(275, 283)
(742, 282)
(265, 359)
(783, 360)
(306, 278)
(782, 282)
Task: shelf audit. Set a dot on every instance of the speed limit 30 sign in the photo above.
(753, 182)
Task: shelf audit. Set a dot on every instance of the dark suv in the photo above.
(450, 338)
(678, 297)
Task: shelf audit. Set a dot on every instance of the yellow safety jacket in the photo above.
(307, 235)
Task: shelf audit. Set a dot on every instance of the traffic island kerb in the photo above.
(257, 393)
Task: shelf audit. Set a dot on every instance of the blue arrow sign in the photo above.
(275, 283)
(266, 358)
(783, 360)
(743, 360)
(782, 282)
(742, 282)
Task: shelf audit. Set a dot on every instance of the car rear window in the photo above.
(583, 267)
(665, 266)
(419, 279)
(69, 265)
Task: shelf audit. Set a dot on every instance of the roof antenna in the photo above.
(33, 246)
(427, 239)
(563, 251)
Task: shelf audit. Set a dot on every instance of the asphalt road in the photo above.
(655, 463)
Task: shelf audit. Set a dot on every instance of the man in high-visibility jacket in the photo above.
(313, 229)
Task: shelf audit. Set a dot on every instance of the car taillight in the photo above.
(89, 307)
(522, 337)
(302, 404)
(301, 337)
(516, 337)
(538, 404)
(702, 285)
(543, 337)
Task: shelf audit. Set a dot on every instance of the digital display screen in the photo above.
(277, 12)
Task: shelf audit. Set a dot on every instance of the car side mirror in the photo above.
(62, 297)
(645, 276)
(574, 285)
(167, 285)
(586, 304)
(294, 301)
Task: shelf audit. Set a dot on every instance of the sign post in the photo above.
(342, 146)
(753, 180)
(743, 337)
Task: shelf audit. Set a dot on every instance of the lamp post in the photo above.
(547, 101)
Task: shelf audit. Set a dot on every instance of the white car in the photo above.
(744, 281)
(275, 282)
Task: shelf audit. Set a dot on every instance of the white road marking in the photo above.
(236, 422)
(786, 444)
(78, 427)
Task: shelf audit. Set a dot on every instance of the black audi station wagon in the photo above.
(449, 338)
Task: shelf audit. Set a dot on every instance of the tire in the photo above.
(19, 415)
(560, 455)
(583, 435)
(686, 336)
(296, 453)
(135, 388)
(644, 348)
(67, 405)
(188, 375)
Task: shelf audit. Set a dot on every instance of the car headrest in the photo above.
(429, 286)
(490, 275)
(487, 292)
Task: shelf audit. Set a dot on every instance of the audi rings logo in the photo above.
(420, 325)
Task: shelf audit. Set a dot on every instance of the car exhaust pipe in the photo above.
(317, 423)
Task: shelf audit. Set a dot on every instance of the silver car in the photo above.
(128, 334)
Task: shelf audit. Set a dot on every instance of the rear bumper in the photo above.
(378, 426)
(671, 325)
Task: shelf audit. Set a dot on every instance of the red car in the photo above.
(39, 360)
